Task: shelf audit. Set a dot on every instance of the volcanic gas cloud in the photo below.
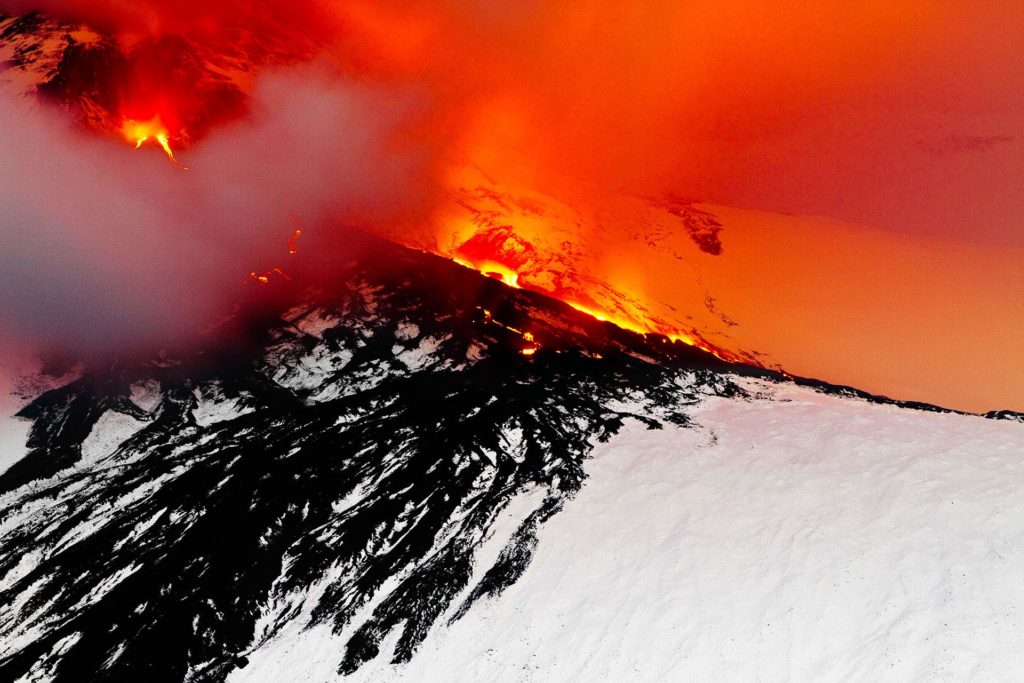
(584, 149)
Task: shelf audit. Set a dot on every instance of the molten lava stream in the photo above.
(141, 132)
(293, 243)
(264, 278)
(498, 271)
(493, 269)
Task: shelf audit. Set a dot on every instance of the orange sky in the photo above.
(900, 123)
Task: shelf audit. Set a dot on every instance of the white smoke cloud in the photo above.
(106, 246)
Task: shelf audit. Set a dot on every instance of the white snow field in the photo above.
(13, 435)
(798, 536)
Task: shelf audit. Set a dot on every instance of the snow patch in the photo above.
(407, 331)
(26, 563)
(421, 356)
(315, 322)
(311, 371)
(513, 438)
(14, 434)
(475, 352)
(213, 407)
(146, 395)
(110, 431)
(814, 538)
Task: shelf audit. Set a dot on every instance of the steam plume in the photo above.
(106, 246)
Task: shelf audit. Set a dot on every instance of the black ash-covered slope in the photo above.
(339, 461)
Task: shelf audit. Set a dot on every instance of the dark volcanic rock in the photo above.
(340, 462)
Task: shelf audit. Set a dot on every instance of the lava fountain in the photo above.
(151, 131)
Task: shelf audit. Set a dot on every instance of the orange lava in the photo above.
(266, 277)
(634, 323)
(293, 246)
(152, 131)
(493, 269)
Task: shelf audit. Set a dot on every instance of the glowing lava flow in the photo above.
(531, 346)
(497, 271)
(676, 336)
(293, 244)
(141, 132)
(263, 279)
(493, 269)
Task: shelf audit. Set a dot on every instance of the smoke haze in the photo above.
(829, 108)
(905, 117)
(106, 246)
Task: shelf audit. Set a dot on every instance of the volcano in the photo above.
(428, 342)
(418, 471)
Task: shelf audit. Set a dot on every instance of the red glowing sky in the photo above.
(906, 119)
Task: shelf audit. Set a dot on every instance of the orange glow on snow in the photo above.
(811, 296)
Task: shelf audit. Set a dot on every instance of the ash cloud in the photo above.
(108, 248)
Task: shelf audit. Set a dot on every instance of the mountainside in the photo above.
(364, 446)
(373, 459)
(789, 535)
(385, 465)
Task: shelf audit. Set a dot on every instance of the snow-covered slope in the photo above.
(793, 536)
(417, 472)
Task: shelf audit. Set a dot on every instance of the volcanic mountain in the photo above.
(541, 434)
(414, 470)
